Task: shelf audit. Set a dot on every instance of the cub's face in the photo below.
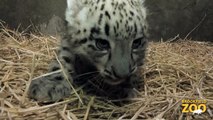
(109, 35)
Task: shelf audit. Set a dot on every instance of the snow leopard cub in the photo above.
(103, 47)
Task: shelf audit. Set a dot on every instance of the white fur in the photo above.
(73, 8)
(77, 13)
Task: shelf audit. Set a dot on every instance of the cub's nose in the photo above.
(121, 73)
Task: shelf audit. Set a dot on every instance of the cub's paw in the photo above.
(46, 90)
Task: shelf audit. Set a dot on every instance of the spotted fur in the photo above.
(103, 46)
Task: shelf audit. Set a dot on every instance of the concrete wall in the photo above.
(166, 18)
(46, 15)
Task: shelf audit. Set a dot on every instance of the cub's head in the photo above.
(109, 34)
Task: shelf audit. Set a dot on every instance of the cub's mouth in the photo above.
(113, 82)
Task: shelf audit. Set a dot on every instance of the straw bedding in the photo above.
(173, 71)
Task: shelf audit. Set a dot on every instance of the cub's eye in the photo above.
(102, 44)
(137, 43)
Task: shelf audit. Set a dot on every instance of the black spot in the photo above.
(102, 6)
(55, 68)
(117, 24)
(70, 71)
(64, 48)
(96, 7)
(78, 32)
(117, 35)
(66, 59)
(119, 8)
(95, 30)
(109, 58)
(65, 23)
(138, 18)
(121, 15)
(58, 77)
(131, 13)
(100, 19)
(132, 56)
(116, 5)
(107, 14)
(98, 1)
(83, 41)
(107, 28)
(128, 28)
(145, 27)
(85, 30)
(75, 43)
(92, 47)
(131, 28)
(130, 18)
(136, 30)
(113, 12)
(126, 25)
(114, 29)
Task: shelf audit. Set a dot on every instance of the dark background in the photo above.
(166, 18)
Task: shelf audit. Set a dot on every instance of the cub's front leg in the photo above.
(49, 88)
(55, 86)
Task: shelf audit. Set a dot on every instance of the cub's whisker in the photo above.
(84, 74)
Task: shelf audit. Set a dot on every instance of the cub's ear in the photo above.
(143, 8)
(73, 8)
